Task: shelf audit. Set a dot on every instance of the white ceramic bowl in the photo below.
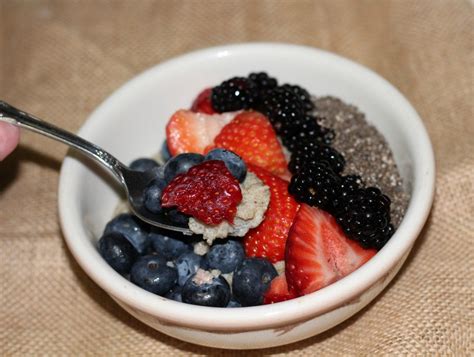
(130, 124)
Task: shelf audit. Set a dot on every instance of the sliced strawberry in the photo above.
(208, 192)
(187, 131)
(278, 291)
(251, 136)
(318, 252)
(269, 238)
(202, 103)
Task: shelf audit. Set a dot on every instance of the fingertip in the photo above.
(9, 137)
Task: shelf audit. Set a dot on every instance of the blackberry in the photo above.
(305, 131)
(364, 214)
(316, 184)
(302, 95)
(349, 185)
(234, 94)
(294, 140)
(310, 155)
(263, 81)
(299, 130)
(327, 135)
(281, 106)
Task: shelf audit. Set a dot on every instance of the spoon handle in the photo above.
(17, 117)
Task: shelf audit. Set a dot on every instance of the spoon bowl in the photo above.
(133, 182)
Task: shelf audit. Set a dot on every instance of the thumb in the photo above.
(9, 137)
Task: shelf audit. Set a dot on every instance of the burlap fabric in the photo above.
(60, 59)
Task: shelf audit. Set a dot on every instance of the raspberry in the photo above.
(202, 103)
(208, 192)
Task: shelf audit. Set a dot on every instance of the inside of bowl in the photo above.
(131, 123)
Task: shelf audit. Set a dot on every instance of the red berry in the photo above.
(278, 291)
(187, 131)
(251, 136)
(269, 238)
(208, 192)
(318, 252)
(202, 103)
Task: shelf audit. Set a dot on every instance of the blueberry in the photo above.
(251, 280)
(143, 164)
(233, 303)
(152, 196)
(205, 289)
(188, 264)
(159, 173)
(232, 161)
(118, 252)
(225, 256)
(149, 193)
(176, 217)
(165, 151)
(181, 164)
(153, 274)
(132, 228)
(175, 294)
(168, 247)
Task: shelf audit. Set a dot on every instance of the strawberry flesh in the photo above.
(278, 291)
(208, 192)
(318, 252)
(187, 131)
(202, 103)
(269, 238)
(251, 136)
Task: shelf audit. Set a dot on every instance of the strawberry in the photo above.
(251, 136)
(269, 238)
(202, 103)
(278, 291)
(187, 131)
(208, 192)
(318, 252)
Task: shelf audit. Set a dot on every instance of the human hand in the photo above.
(9, 137)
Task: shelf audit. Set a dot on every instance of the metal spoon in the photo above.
(133, 182)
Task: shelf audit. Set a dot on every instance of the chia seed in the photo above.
(365, 150)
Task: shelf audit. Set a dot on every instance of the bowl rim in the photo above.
(302, 308)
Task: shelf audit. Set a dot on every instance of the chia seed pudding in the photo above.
(366, 151)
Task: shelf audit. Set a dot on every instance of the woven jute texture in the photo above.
(60, 59)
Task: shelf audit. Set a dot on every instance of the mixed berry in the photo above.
(319, 223)
(364, 212)
(207, 191)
